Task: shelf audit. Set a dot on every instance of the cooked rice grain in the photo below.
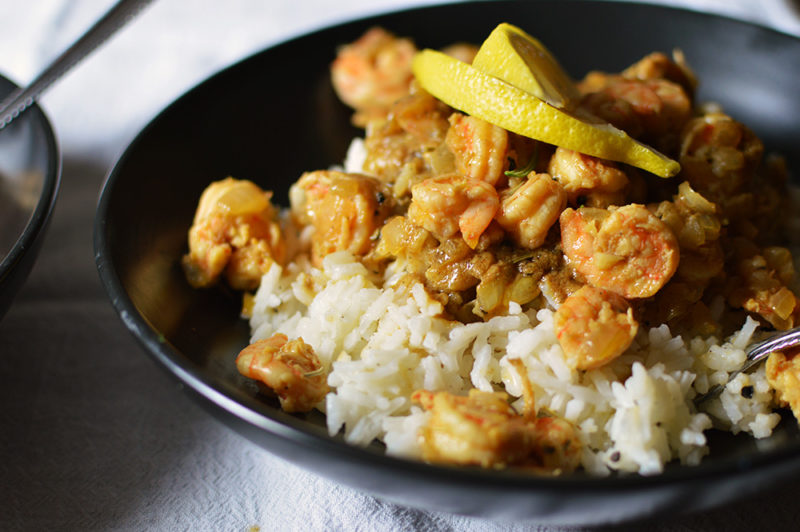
(382, 342)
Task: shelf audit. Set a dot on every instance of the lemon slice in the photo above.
(517, 58)
(479, 94)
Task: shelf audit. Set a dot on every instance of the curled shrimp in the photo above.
(447, 204)
(346, 210)
(718, 155)
(480, 148)
(236, 233)
(626, 250)
(528, 211)
(372, 73)
(290, 369)
(658, 66)
(594, 326)
(483, 429)
(650, 109)
(588, 180)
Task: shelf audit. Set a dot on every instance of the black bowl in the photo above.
(30, 174)
(274, 115)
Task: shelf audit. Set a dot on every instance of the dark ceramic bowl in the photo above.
(30, 174)
(274, 115)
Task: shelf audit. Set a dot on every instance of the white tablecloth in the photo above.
(93, 436)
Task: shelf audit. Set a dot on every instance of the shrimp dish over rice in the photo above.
(472, 296)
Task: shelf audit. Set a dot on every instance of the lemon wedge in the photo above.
(519, 59)
(487, 97)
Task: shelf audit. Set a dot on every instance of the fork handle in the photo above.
(114, 19)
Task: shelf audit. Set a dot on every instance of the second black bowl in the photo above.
(30, 175)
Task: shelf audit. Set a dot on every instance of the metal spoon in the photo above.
(755, 354)
(114, 19)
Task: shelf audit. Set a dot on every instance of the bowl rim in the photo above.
(283, 425)
(782, 462)
(51, 185)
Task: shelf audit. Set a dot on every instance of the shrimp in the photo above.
(594, 326)
(597, 182)
(718, 156)
(654, 110)
(626, 250)
(346, 210)
(290, 369)
(783, 375)
(528, 211)
(447, 204)
(483, 429)
(465, 52)
(724, 161)
(658, 66)
(372, 73)
(480, 148)
(235, 232)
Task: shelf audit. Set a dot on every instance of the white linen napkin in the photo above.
(202, 476)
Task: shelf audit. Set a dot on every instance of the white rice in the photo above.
(382, 343)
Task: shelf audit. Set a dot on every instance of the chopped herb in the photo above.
(519, 257)
(528, 168)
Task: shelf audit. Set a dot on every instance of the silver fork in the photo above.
(116, 17)
(755, 354)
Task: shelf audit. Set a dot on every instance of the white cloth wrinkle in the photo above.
(188, 471)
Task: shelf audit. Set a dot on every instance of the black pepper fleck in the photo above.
(747, 392)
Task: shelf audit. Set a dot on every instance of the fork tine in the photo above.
(755, 354)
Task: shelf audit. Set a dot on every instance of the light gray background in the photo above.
(93, 435)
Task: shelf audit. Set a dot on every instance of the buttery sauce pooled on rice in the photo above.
(470, 296)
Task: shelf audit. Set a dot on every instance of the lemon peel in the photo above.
(487, 97)
(521, 60)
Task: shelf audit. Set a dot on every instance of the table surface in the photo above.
(95, 436)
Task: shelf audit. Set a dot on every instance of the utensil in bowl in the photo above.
(13, 104)
(755, 354)
(274, 115)
(30, 175)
